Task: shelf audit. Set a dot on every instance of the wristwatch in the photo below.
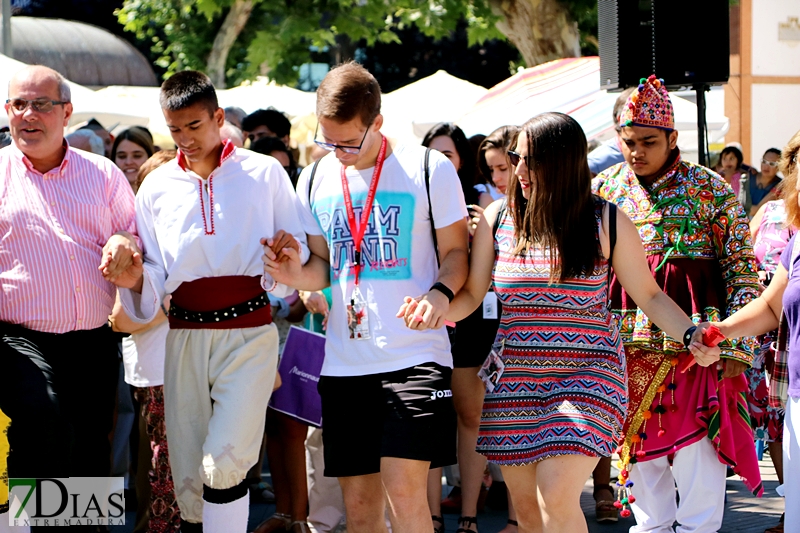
(444, 289)
(687, 337)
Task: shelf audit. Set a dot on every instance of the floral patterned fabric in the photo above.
(770, 242)
(772, 237)
(165, 517)
(766, 420)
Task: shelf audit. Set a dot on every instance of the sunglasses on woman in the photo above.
(514, 158)
(773, 164)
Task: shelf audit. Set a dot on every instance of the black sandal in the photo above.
(439, 519)
(469, 520)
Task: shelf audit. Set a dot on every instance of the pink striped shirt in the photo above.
(52, 231)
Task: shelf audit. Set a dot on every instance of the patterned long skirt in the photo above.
(165, 517)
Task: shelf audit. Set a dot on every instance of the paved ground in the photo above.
(744, 513)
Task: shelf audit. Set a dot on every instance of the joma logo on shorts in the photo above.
(441, 394)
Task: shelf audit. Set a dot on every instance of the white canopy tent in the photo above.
(141, 102)
(409, 112)
(263, 93)
(250, 97)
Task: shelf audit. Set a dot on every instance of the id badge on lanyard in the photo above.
(358, 316)
(357, 309)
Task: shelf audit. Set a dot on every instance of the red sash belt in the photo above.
(217, 296)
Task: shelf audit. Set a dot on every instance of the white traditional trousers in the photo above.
(700, 478)
(217, 383)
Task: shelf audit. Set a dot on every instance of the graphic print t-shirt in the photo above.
(398, 257)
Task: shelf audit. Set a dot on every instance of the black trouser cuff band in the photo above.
(225, 495)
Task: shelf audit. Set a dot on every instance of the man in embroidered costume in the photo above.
(697, 241)
(202, 215)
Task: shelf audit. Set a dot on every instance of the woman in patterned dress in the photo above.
(560, 401)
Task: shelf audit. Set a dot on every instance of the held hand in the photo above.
(429, 312)
(279, 241)
(286, 272)
(732, 368)
(703, 355)
(406, 311)
(122, 263)
(117, 255)
(133, 277)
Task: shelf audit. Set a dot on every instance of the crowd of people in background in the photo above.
(506, 311)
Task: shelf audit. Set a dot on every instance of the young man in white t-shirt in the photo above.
(386, 400)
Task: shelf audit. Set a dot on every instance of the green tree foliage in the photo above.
(280, 34)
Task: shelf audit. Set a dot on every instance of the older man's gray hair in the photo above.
(230, 132)
(235, 115)
(86, 140)
(64, 91)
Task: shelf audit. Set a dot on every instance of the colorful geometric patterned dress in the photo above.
(563, 390)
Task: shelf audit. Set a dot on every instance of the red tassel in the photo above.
(625, 513)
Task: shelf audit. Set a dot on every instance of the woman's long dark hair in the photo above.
(466, 174)
(559, 216)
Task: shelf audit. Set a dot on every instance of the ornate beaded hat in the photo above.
(649, 105)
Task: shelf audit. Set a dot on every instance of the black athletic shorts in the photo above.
(473, 339)
(407, 414)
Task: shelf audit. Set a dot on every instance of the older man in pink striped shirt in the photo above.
(67, 229)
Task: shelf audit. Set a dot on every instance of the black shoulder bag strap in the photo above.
(500, 213)
(612, 241)
(612, 230)
(430, 205)
(311, 180)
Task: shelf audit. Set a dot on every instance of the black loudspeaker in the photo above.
(685, 42)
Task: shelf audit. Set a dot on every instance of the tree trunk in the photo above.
(542, 30)
(232, 26)
(345, 49)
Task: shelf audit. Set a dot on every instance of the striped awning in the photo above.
(572, 86)
(565, 85)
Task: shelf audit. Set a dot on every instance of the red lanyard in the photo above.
(358, 232)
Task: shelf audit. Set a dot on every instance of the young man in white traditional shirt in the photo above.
(203, 215)
(386, 400)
